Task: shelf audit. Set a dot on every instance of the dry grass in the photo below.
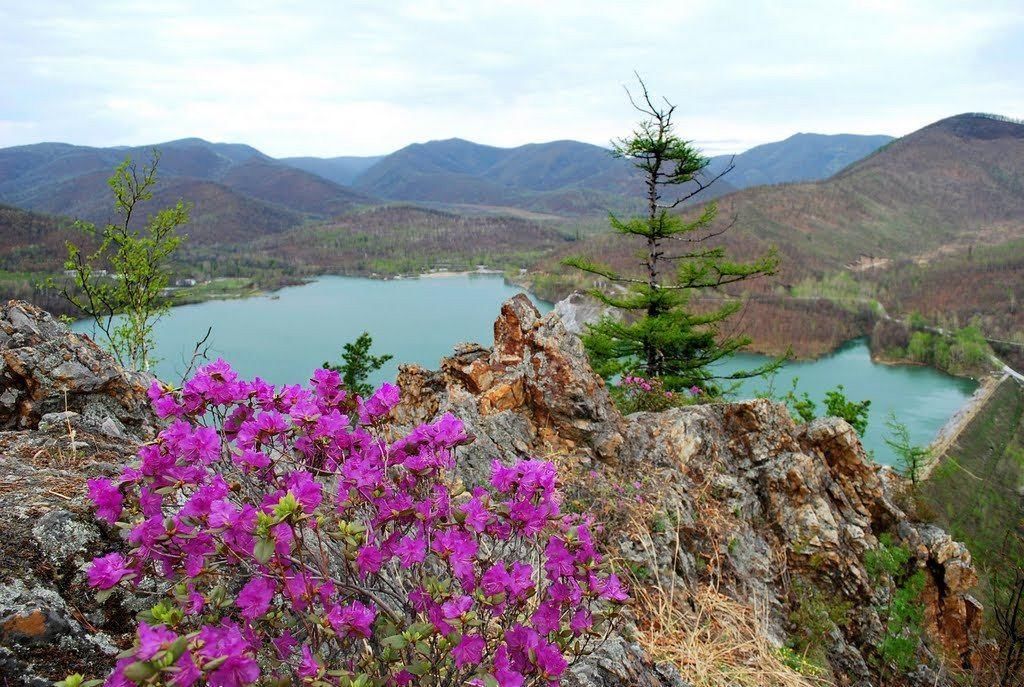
(714, 643)
(69, 458)
(714, 640)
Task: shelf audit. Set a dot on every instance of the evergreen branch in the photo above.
(605, 271)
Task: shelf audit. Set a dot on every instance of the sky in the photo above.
(339, 77)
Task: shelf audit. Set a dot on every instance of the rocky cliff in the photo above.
(749, 540)
(745, 534)
(67, 412)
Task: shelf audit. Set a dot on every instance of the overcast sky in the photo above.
(340, 77)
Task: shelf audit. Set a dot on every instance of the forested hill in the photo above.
(240, 191)
(932, 222)
(237, 190)
(801, 157)
(569, 177)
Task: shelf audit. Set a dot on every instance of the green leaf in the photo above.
(263, 550)
(419, 668)
(395, 642)
(139, 671)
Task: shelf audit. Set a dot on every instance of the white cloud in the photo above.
(362, 77)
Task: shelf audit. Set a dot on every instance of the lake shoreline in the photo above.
(292, 331)
(525, 285)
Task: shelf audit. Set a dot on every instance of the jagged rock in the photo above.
(767, 499)
(69, 413)
(46, 370)
(532, 393)
(618, 663)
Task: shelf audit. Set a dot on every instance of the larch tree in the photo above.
(662, 336)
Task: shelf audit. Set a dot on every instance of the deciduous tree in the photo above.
(121, 283)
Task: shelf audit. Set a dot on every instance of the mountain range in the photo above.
(801, 157)
(933, 221)
(237, 190)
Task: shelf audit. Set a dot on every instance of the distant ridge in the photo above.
(568, 177)
(560, 178)
(341, 170)
(220, 178)
(801, 157)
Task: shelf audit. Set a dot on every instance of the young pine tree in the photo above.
(911, 459)
(663, 336)
(357, 364)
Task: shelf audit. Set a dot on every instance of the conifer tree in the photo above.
(661, 336)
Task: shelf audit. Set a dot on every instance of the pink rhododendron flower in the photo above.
(152, 640)
(354, 618)
(254, 599)
(105, 572)
(106, 498)
(279, 525)
(469, 650)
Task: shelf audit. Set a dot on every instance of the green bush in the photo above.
(904, 614)
(813, 618)
(854, 412)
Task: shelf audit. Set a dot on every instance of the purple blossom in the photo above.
(546, 618)
(559, 561)
(164, 402)
(379, 404)
(305, 490)
(369, 559)
(503, 670)
(469, 650)
(201, 512)
(308, 667)
(186, 673)
(549, 659)
(106, 498)
(354, 618)
(457, 607)
(411, 550)
(254, 599)
(153, 640)
(226, 642)
(105, 572)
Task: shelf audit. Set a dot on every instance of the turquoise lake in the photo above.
(284, 336)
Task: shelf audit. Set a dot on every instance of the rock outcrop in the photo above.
(734, 523)
(68, 412)
(775, 516)
(578, 309)
(532, 393)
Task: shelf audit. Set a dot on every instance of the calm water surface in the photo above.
(921, 397)
(285, 336)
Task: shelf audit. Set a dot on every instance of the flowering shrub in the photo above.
(637, 394)
(294, 537)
